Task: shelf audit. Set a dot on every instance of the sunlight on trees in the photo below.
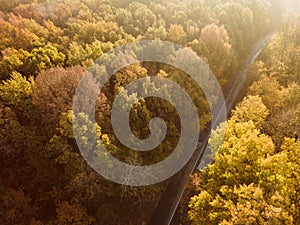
(45, 48)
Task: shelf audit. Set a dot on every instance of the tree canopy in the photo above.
(45, 48)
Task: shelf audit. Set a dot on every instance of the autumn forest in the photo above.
(47, 47)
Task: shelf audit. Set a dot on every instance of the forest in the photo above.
(47, 46)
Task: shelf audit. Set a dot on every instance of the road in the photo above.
(169, 201)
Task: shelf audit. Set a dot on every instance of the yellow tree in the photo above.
(239, 187)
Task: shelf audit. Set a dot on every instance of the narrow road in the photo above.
(169, 201)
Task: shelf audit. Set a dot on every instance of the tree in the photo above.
(42, 58)
(251, 108)
(154, 33)
(83, 54)
(17, 90)
(12, 60)
(72, 213)
(142, 16)
(270, 92)
(16, 207)
(220, 55)
(44, 178)
(282, 54)
(31, 25)
(16, 37)
(240, 187)
(177, 34)
(30, 63)
(57, 12)
(53, 92)
(238, 21)
(291, 148)
(261, 17)
(15, 93)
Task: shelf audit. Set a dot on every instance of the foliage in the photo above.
(45, 47)
(17, 90)
(254, 178)
(53, 92)
(243, 186)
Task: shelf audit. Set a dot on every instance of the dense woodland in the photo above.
(45, 48)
